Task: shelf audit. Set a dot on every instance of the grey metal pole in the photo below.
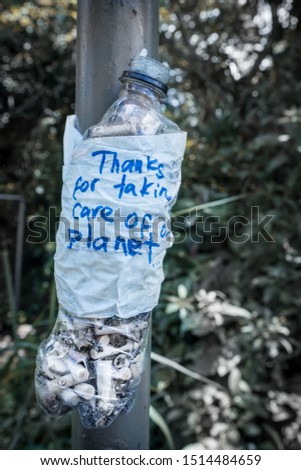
(109, 34)
(128, 432)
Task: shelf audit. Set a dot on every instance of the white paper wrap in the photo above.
(114, 227)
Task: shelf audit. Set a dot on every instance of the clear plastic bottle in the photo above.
(96, 364)
(137, 110)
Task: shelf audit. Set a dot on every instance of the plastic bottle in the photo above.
(137, 110)
(96, 364)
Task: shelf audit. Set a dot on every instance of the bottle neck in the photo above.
(141, 90)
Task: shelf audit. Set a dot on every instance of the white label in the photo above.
(115, 222)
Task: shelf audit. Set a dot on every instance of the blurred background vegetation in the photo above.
(227, 331)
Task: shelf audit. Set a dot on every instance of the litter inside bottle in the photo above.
(93, 365)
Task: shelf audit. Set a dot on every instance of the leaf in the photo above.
(171, 308)
(265, 140)
(274, 435)
(287, 345)
(234, 381)
(233, 311)
(194, 375)
(195, 446)
(182, 291)
(206, 205)
(276, 163)
(161, 423)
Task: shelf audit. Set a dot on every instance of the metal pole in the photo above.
(109, 34)
(128, 432)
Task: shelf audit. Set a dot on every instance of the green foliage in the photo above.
(36, 94)
(229, 309)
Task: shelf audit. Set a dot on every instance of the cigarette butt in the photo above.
(136, 370)
(128, 347)
(121, 361)
(103, 340)
(69, 397)
(125, 373)
(107, 407)
(57, 365)
(138, 358)
(106, 352)
(78, 356)
(98, 328)
(123, 329)
(85, 391)
(78, 371)
(58, 350)
(66, 381)
(104, 380)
